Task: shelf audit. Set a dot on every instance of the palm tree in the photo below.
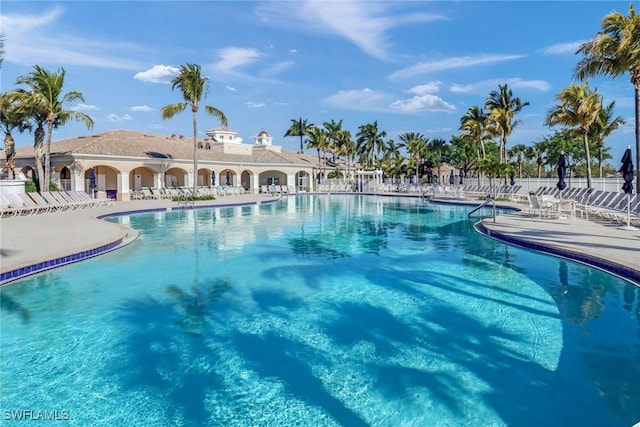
(579, 107)
(370, 141)
(11, 118)
(474, 126)
(603, 127)
(317, 138)
(194, 88)
(438, 147)
(502, 108)
(332, 129)
(615, 51)
(518, 152)
(45, 100)
(416, 145)
(345, 146)
(299, 127)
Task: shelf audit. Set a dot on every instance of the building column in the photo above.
(158, 179)
(123, 186)
(77, 180)
(292, 185)
(255, 183)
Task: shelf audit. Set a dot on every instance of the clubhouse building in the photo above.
(123, 161)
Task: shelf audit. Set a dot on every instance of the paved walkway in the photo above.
(49, 240)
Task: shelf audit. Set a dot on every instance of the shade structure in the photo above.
(213, 179)
(461, 176)
(452, 178)
(627, 187)
(562, 172)
(228, 178)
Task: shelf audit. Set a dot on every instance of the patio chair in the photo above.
(18, 203)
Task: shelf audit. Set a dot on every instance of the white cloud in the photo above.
(361, 100)
(158, 74)
(84, 107)
(252, 104)
(276, 68)
(231, 88)
(115, 118)
(422, 103)
(365, 24)
(230, 58)
(29, 41)
(485, 86)
(562, 48)
(426, 88)
(293, 50)
(141, 108)
(426, 67)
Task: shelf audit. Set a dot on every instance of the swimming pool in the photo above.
(321, 310)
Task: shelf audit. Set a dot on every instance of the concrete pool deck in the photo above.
(35, 243)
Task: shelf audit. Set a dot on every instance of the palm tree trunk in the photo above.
(585, 138)
(599, 160)
(38, 149)
(195, 155)
(10, 152)
(47, 165)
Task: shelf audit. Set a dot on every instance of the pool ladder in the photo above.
(490, 200)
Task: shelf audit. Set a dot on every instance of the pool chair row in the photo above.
(274, 189)
(169, 193)
(20, 204)
(335, 188)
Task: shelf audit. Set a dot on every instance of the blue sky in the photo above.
(413, 66)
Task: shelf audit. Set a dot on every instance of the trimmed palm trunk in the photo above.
(39, 154)
(10, 153)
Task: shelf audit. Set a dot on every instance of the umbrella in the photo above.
(92, 181)
(512, 178)
(562, 172)
(213, 179)
(452, 179)
(461, 176)
(627, 187)
(228, 178)
(318, 177)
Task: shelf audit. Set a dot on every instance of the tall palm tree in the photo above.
(299, 127)
(603, 127)
(578, 107)
(317, 138)
(416, 145)
(503, 107)
(45, 99)
(474, 127)
(194, 88)
(438, 147)
(370, 140)
(11, 118)
(333, 130)
(517, 152)
(614, 51)
(2, 49)
(346, 147)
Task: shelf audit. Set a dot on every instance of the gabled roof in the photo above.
(126, 143)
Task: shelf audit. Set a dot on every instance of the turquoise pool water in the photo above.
(320, 311)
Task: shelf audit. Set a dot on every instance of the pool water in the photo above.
(321, 311)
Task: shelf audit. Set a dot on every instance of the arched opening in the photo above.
(175, 177)
(272, 180)
(227, 177)
(303, 182)
(141, 177)
(245, 180)
(106, 180)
